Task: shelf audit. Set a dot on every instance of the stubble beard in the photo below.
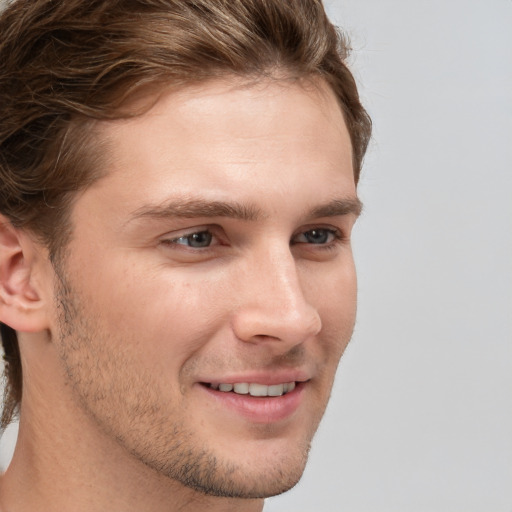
(125, 406)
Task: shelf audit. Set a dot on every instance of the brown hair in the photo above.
(67, 63)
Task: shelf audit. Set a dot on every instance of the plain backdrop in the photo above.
(421, 414)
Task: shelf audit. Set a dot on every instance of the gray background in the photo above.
(421, 414)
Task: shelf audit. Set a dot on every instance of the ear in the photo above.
(21, 304)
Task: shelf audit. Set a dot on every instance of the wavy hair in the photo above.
(68, 63)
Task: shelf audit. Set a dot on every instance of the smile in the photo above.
(253, 389)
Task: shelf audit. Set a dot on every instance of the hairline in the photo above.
(141, 101)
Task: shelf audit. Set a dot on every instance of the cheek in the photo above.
(167, 317)
(336, 303)
(334, 294)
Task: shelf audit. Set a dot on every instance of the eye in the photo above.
(318, 236)
(197, 240)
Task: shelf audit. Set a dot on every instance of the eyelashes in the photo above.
(196, 240)
(318, 236)
(206, 238)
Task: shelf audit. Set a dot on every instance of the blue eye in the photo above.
(195, 240)
(319, 236)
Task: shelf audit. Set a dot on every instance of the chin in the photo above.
(235, 483)
(257, 476)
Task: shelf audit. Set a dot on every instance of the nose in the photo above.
(274, 306)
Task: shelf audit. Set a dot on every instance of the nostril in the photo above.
(264, 324)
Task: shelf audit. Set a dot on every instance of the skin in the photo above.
(120, 337)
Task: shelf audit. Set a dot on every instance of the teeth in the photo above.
(242, 388)
(253, 389)
(290, 386)
(276, 390)
(258, 390)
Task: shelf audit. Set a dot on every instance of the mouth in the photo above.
(259, 403)
(252, 388)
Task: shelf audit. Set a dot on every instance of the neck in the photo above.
(57, 467)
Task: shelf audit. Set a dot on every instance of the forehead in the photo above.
(230, 138)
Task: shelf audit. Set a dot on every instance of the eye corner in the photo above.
(318, 235)
(196, 238)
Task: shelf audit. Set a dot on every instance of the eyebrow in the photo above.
(197, 208)
(192, 208)
(338, 207)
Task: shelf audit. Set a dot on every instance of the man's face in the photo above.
(214, 254)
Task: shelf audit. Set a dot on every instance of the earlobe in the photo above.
(21, 304)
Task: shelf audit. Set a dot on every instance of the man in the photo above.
(178, 188)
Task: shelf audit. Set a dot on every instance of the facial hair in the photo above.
(124, 402)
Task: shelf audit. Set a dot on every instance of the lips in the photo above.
(254, 389)
(256, 402)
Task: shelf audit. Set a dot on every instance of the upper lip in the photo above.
(266, 378)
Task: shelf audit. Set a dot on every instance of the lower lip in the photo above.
(260, 409)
